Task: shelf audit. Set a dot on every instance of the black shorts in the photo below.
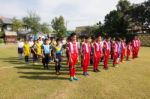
(58, 58)
(20, 50)
(46, 59)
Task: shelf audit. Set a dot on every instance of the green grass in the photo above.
(131, 80)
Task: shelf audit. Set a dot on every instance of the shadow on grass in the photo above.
(12, 60)
(44, 77)
(50, 74)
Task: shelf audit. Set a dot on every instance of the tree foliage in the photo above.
(32, 21)
(17, 24)
(58, 24)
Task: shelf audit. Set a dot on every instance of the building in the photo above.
(8, 35)
(82, 30)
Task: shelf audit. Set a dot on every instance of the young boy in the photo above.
(134, 48)
(138, 46)
(106, 52)
(92, 50)
(34, 52)
(20, 48)
(128, 51)
(27, 51)
(81, 54)
(97, 54)
(58, 55)
(73, 56)
(86, 56)
(39, 50)
(115, 53)
(46, 49)
(123, 49)
(119, 50)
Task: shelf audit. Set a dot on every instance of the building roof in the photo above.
(10, 33)
(6, 20)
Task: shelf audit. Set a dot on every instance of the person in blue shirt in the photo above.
(46, 51)
(58, 55)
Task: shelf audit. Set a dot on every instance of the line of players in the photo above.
(90, 51)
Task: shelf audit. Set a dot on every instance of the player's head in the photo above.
(87, 39)
(58, 41)
(107, 38)
(98, 38)
(26, 41)
(116, 39)
(46, 41)
(73, 37)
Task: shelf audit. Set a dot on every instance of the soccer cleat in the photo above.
(94, 71)
(75, 78)
(87, 74)
(97, 70)
(71, 79)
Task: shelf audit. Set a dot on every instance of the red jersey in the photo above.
(97, 47)
(86, 48)
(73, 47)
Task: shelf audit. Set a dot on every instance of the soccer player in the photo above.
(106, 52)
(27, 51)
(46, 49)
(73, 56)
(20, 48)
(86, 56)
(58, 55)
(97, 54)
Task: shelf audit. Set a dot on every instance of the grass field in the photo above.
(131, 80)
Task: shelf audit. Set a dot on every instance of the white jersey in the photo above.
(20, 44)
(31, 43)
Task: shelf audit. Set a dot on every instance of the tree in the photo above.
(45, 28)
(139, 15)
(32, 21)
(123, 6)
(58, 24)
(17, 24)
(115, 22)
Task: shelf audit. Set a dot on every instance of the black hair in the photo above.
(106, 37)
(86, 37)
(99, 36)
(58, 40)
(73, 34)
(92, 37)
(45, 40)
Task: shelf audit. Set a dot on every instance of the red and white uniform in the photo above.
(97, 55)
(123, 51)
(86, 49)
(134, 48)
(138, 46)
(106, 53)
(115, 53)
(128, 51)
(73, 52)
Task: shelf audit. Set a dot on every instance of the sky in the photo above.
(76, 12)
